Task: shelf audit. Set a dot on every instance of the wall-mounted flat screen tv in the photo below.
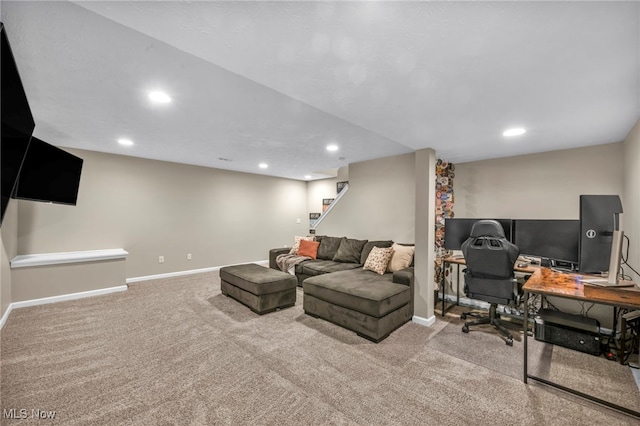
(17, 121)
(49, 174)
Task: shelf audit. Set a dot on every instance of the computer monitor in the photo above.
(554, 239)
(597, 216)
(457, 230)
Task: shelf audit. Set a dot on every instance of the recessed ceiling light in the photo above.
(159, 97)
(332, 147)
(263, 165)
(513, 132)
(125, 142)
(307, 176)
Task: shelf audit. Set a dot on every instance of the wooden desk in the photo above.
(549, 283)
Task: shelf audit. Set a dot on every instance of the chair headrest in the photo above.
(487, 228)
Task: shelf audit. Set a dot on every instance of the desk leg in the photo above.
(442, 285)
(458, 285)
(525, 327)
(623, 335)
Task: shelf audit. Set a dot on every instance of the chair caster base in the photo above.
(465, 328)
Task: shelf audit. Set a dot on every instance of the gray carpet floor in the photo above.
(177, 352)
(594, 375)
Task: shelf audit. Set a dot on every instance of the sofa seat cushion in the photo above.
(319, 267)
(359, 290)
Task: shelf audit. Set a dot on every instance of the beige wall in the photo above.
(37, 282)
(631, 191)
(380, 203)
(154, 208)
(9, 240)
(324, 188)
(537, 186)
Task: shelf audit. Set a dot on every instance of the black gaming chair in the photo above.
(488, 276)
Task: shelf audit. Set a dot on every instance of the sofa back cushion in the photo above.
(328, 247)
(350, 251)
(371, 244)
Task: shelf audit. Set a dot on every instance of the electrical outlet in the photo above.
(188, 256)
(298, 220)
(160, 259)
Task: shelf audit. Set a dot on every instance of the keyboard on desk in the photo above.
(603, 282)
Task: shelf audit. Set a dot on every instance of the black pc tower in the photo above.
(597, 222)
(571, 331)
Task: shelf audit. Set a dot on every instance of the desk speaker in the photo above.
(571, 331)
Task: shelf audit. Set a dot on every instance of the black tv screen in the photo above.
(17, 122)
(550, 238)
(49, 174)
(457, 230)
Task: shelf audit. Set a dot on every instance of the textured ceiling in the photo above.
(276, 82)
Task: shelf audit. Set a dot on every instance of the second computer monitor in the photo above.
(551, 239)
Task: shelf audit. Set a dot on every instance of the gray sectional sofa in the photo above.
(337, 288)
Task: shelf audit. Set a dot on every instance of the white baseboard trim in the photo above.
(188, 272)
(70, 296)
(5, 316)
(170, 275)
(426, 322)
(61, 298)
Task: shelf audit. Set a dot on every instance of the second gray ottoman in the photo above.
(261, 289)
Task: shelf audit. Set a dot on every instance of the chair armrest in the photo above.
(403, 276)
(273, 253)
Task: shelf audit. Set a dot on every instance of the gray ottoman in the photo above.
(261, 289)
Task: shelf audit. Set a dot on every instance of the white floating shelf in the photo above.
(28, 260)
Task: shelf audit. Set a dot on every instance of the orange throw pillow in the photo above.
(308, 248)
